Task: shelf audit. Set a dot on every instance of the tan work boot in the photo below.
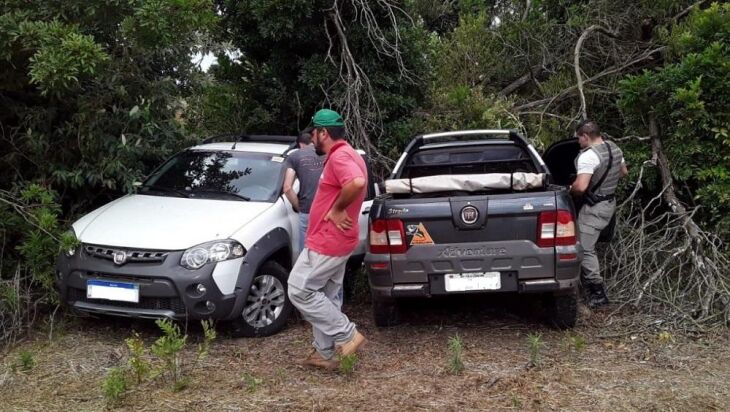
(316, 360)
(350, 347)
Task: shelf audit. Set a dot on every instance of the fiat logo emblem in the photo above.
(120, 257)
(469, 215)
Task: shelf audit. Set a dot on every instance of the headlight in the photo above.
(216, 251)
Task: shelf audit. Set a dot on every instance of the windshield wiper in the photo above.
(222, 192)
(166, 189)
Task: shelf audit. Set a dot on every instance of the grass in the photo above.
(456, 351)
(114, 386)
(26, 361)
(534, 346)
(575, 342)
(251, 383)
(347, 363)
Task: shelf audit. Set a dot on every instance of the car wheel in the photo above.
(385, 312)
(267, 306)
(562, 309)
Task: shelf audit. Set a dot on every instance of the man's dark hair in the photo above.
(305, 136)
(336, 132)
(588, 127)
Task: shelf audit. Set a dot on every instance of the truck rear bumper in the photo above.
(427, 290)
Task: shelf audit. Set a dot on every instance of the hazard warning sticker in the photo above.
(420, 235)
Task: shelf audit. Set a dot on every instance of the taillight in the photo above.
(555, 229)
(387, 236)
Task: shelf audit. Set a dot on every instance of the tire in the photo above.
(267, 308)
(562, 309)
(385, 312)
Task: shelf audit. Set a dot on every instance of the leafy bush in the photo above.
(689, 97)
(114, 386)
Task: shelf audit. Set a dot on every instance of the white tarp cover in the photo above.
(469, 183)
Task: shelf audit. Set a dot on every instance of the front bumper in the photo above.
(166, 290)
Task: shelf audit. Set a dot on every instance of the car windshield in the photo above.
(218, 174)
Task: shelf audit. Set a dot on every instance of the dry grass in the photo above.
(627, 364)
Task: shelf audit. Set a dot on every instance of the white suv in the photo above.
(208, 235)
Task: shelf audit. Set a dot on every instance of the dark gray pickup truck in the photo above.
(473, 212)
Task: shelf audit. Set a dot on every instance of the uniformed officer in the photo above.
(599, 167)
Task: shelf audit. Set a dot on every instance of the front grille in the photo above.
(138, 256)
(174, 304)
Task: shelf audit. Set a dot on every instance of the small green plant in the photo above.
(26, 361)
(664, 337)
(456, 350)
(251, 382)
(575, 342)
(347, 363)
(114, 386)
(535, 345)
(138, 364)
(516, 401)
(167, 348)
(209, 336)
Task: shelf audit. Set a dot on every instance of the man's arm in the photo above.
(581, 184)
(348, 194)
(624, 170)
(289, 189)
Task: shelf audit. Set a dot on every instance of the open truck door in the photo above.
(560, 160)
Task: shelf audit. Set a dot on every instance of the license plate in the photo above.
(120, 291)
(463, 282)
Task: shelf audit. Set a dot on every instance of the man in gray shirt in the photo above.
(305, 165)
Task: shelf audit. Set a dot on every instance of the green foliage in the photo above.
(251, 382)
(575, 342)
(26, 361)
(168, 348)
(114, 386)
(348, 363)
(456, 351)
(535, 344)
(138, 364)
(209, 335)
(689, 97)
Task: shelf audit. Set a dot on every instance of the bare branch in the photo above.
(576, 62)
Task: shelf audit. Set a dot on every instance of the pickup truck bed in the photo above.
(485, 239)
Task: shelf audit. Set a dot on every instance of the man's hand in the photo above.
(339, 218)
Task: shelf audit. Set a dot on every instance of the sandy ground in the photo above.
(627, 363)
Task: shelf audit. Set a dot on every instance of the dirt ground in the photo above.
(627, 363)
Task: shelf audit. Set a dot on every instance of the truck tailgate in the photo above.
(486, 233)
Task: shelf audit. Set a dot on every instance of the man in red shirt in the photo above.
(317, 276)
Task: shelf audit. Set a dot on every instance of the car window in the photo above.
(255, 176)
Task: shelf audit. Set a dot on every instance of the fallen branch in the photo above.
(649, 54)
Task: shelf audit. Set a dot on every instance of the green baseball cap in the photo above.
(327, 117)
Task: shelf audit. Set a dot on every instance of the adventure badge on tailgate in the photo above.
(420, 235)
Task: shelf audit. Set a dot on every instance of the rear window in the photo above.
(506, 158)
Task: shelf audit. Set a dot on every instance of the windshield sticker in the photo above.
(421, 236)
(277, 159)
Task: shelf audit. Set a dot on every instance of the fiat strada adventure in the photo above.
(207, 236)
(472, 212)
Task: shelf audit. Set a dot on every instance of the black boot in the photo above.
(596, 295)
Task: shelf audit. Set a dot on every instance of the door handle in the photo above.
(366, 211)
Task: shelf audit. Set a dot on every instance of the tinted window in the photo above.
(201, 173)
